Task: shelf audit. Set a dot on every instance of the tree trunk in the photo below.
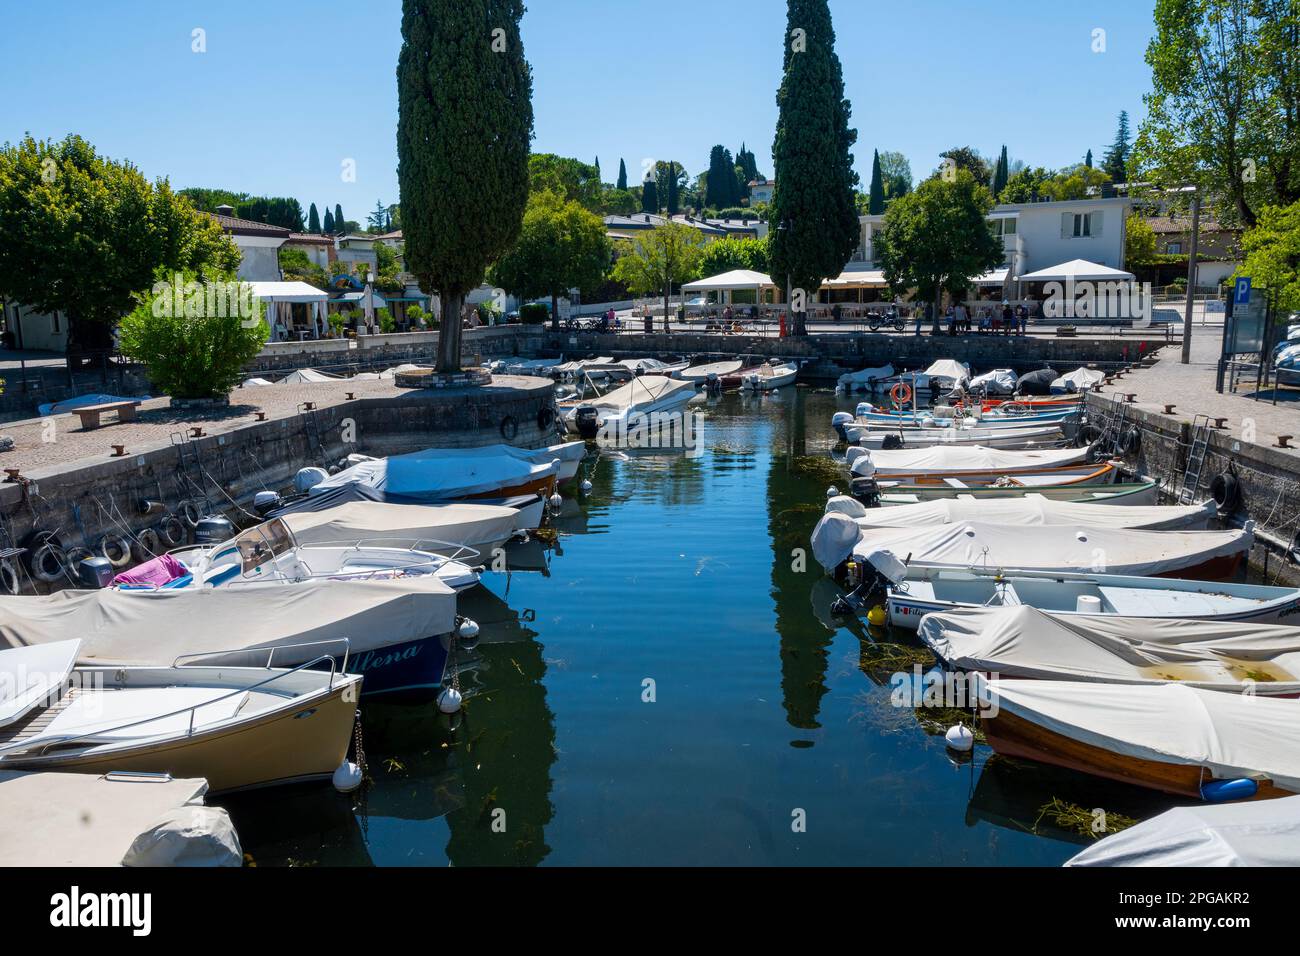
(938, 307)
(668, 291)
(555, 313)
(449, 333)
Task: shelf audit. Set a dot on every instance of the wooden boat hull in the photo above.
(543, 485)
(1014, 736)
(1067, 474)
(307, 741)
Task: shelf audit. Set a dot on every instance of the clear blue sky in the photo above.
(287, 91)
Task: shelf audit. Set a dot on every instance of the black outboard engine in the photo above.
(586, 420)
(213, 529)
(95, 572)
(264, 502)
(865, 490)
(713, 384)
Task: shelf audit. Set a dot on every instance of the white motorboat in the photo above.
(773, 375)
(926, 590)
(865, 380)
(394, 631)
(699, 374)
(1025, 642)
(651, 366)
(1016, 437)
(1028, 509)
(635, 405)
(238, 727)
(1212, 555)
(940, 460)
(455, 474)
(1080, 380)
(470, 532)
(1000, 381)
(269, 554)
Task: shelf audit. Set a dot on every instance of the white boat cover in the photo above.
(1026, 642)
(698, 373)
(1080, 380)
(155, 627)
(1232, 735)
(83, 819)
(1028, 510)
(866, 375)
(376, 521)
(1000, 381)
(964, 458)
(442, 474)
(949, 371)
(639, 394)
(308, 376)
(1252, 833)
(1029, 547)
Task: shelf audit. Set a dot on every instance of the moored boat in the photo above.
(455, 474)
(630, 406)
(1100, 486)
(773, 375)
(238, 727)
(1025, 642)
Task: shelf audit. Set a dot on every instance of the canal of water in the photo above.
(669, 687)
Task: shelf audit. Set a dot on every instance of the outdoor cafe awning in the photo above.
(735, 279)
(1078, 270)
(288, 292)
(996, 277)
(859, 279)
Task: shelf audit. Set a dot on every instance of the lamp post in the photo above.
(787, 227)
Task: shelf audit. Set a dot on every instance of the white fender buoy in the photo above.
(556, 501)
(832, 492)
(449, 700)
(960, 738)
(468, 629)
(585, 486)
(347, 777)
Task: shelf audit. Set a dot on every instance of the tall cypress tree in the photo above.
(464, 125)
(876, 198)
(813, 211)
(673, 169)
(1001, 174)
(598, 180)
(329, 222)
(717, 187)
(313, 219)
(748, 169)
(649, 195)
(1087, 160)
(622, 175)
(340, 224)
(1115, 162)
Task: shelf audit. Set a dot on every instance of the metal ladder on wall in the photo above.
(1112, 425)
(1196, 453)
(311, 427)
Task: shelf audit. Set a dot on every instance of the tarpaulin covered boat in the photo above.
(1027, 510)
(448, 474)
(1231, 656)
(439, 529)
(1209, 554)
(1169, 737)
(941, 460)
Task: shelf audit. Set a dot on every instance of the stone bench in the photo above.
(90, 414)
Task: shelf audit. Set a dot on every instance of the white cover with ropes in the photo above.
(1033, 510)
(440, 474)
(939, 459)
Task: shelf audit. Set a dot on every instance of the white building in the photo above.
(760, 190)
(259, 245)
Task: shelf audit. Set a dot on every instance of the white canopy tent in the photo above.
(277, 294)
(726, 283)
(1077, 270)
(997, 277)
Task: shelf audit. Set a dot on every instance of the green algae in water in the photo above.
(819, 467)
(1076, 819)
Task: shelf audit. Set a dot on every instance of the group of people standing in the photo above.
(991, 320)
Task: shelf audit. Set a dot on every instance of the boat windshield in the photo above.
(263, 543)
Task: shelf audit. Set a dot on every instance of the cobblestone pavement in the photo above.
(1190, 388)
(43, 443)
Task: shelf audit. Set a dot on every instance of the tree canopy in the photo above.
(937, 238)
(814, 205)
(736, 252)
(85, 235)
(622, 177)
(571, 178)
(659, 258)
(1272, 248)
(465, 122)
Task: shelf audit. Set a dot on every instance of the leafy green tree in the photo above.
(84, 235)
(207, 200)
(876, 195)
(969, 159)
(200, 351)
(1081, 182)
(1224, 108)
(736, 252)
(561, 246)
(897, 173)
(1001, 173)
(283, 211)
(659, 258)
(329, 222)
(621, 185)
(937, 239)
(1027, 185)
(570, 178)
(618, 202)
(721, 181)
(313, 219)
(649, 196)
(1139, 242)
(1272, 248)
(670, 178)
(340, 224)
(465, 121)
(813, 204)
(297, 265)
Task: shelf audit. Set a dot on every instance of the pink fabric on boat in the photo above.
(156, 572)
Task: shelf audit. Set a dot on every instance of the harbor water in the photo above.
(664, 683)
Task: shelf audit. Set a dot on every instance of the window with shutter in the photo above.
(1095, 222)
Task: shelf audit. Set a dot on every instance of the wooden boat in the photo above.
(1039, 482)
(1168, 737)
(238, 727)
(1025, 642)
(1033, 404)
(940, 462)
(930, 590)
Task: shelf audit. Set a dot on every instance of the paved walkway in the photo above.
(45, 444)
(1190, 388)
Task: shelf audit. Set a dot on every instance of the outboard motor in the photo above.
(587, 421)
(840, 421)
(264, 502)
(213, 529)
(95, 572)
(866, 490)
(713, 384)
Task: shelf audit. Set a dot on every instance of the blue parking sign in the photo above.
(1241, 292)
